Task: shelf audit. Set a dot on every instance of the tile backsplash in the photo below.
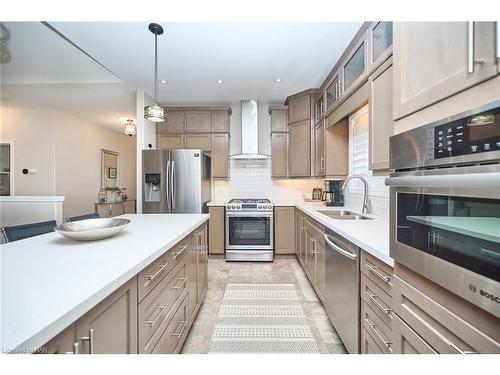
(251, 178)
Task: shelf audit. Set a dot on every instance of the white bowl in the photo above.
(91, 229)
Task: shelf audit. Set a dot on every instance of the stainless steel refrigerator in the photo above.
(176, 181)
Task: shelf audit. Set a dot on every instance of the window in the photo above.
(381, 39)
(358, 156)
(354, 67)
(6, 178)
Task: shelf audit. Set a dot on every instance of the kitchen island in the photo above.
(49, 282)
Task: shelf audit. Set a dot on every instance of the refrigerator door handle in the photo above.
(172, 185)
(167, 194)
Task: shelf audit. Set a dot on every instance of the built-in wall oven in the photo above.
(249, 230)
(445, 204)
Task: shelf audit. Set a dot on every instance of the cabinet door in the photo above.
(111, 326)
(202, 279)
(279, 151)
(284, 222)
(216, 230)
(279, 120)
(192, 271)
(198, 122)
(198, 141)
(381, 125)
(299, 150)
(219, 121)
(174, 123)
(63, 343)
(298, 236)
(165, 142)
(310, 257)
(319, 141)
(220, 154)
(299, 109)
(434, 60)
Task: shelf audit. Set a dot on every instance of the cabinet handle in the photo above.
(458, 350)
(180, 252)
(322, 164)
(373, 326)
(151, 276)
(374, 297)
(375, 270)
(181, 284)
(470, 49)
(184, 323)
(90, 339)
(151, 323)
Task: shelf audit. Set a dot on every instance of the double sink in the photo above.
(343, 215)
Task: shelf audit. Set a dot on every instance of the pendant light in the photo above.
(130, 127)
(155, 112)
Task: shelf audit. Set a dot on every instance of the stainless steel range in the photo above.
(249, 230)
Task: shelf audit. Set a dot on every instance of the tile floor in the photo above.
(283, 269)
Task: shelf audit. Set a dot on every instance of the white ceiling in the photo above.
(193, 56)
(46, 70)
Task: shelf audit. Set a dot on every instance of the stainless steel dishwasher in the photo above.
(342, 288)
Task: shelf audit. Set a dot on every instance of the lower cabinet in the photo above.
(156, 322)
(216, 230)
(284, 222)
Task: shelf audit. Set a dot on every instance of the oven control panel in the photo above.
(470, 135)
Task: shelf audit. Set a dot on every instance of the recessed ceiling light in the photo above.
(278, 80)
(220, 81)
(163, 81)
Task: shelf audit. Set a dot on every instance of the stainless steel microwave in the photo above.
(445, 204)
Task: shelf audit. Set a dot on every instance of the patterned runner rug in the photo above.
(261, 318)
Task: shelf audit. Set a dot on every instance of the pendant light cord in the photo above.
(156, 68)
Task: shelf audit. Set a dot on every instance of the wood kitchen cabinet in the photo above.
(299, 233)
(381, 125)
(299, 149)
(197, 121)
(219, 122)
(63, 343)
(319, 149)
(299, 107)
(284, 224)
(165, 142)
(279, 152)
(434, 60)
(202, 270)
(198, 141)
(174, 123)
(216, 230)
(220, 155)
(279, 119)
(111, 326)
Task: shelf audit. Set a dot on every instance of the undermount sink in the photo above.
(343, 215)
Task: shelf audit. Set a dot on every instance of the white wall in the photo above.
(65, 151)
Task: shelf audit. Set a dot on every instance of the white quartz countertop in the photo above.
(370, 235)
(48, 281)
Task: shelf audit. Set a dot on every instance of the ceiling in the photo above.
(46, 70)
(92, 69)
(193, 56)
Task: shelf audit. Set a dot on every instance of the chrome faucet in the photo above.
(365, 183)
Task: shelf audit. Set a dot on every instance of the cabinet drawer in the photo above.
(156, 271)
(380, 332)
(379, 272)
(368, 344)
(156, 308)
(406, 341)
(173, 336)
(439, 327)
(377, 299)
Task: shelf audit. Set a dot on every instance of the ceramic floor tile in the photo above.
(198, 340)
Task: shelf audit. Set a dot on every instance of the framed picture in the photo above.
(111, 172)
(316, 195)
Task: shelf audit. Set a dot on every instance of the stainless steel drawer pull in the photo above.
(373, 326)
(374, 297)
(460, 351)
(76, 349)
(152, 322)
(375, 270)
(151, 276)
(183, 281)
(180, 252)
(90, 339)
(184, 324)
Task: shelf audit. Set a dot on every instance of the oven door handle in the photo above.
(471, 180)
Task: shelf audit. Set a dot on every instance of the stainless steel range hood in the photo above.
(249, 131)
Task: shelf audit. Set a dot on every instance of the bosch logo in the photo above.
(490, 296)
(196, 155)
(472, 288)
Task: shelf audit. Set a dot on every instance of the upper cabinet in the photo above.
(279, 141)
(319, 108)
(174, 123)
(219, 122)
(333, 91)
(299, 108)
(197, 122)
(355, 67)
(380, 42)
(434, 60)
(279, 119)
